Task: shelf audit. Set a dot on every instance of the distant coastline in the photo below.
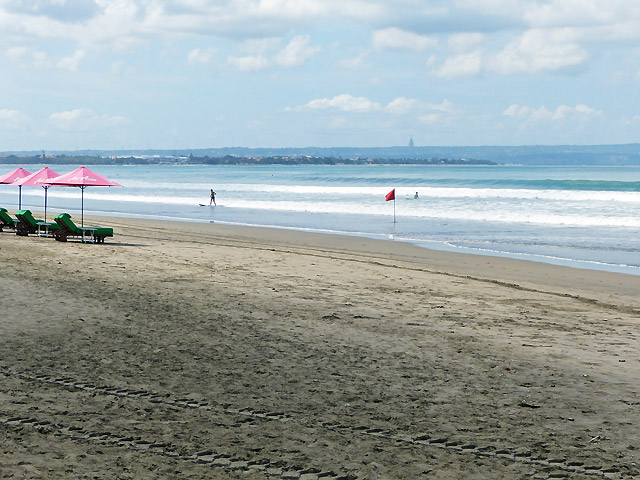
(623, 155)
(229, 160)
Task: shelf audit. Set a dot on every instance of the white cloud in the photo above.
(438, 113)
(402, 105)
(506, 7)
(543, 114)
(111, 121)
(294, 54)
(28, 57)
(445, 107)
(84, 119)
(349, 103)
(201, 56)
(463, 42)
(312, 11)
(121, 24)
(535, 51)
(297, 52)
(249, 63)
(427, 112)
(338, 122)
(515, 110)
(345, 103)
(539, 51)
(395, 38)
(71, 63)
(70, 119)
(430, 118)
(356, 63)
(13, 119)
(581, 110)
(463, 65)
(260, 46)
(555, 13)
(117, 68)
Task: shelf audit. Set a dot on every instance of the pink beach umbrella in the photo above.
(82, 177)
(11, 177)
(38, 179)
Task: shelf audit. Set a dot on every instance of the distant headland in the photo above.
(624, 154)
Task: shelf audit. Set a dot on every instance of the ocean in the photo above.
(581, 216)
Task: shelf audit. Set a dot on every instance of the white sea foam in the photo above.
(477, 209)
(425, 191)
(553, 258)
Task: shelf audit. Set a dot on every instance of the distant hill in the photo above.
(627, 154)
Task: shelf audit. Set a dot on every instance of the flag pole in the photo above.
(392, 196)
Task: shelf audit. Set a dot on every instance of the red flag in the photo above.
(391, 195)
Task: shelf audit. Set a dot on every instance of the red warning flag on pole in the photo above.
(391, 195)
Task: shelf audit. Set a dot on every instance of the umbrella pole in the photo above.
(82, 207)
(19, 197)
(45, 203)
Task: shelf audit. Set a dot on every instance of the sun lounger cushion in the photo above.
(6, 220)
(27, 224)
(69, 229)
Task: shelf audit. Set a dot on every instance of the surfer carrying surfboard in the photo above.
(212, 198)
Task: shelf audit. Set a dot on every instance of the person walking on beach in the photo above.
(213, 198)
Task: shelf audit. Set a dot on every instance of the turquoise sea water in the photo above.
(580, 216)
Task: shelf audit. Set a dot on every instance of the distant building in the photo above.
(411, 141)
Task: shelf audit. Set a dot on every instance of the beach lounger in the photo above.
(27, 224)
(6, 220)
(70, 229)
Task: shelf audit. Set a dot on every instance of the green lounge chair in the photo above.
(6, 220)
(27, 224)
(70, 229)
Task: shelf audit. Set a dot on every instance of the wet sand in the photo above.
(183, 350)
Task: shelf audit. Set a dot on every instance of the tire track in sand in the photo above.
(554, 467)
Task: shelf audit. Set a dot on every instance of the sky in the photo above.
(181, 74)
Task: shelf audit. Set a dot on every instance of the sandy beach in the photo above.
(203, 351)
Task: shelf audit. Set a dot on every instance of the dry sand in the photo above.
(180, 350)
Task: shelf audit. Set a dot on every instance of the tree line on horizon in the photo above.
(230, 160)
(615, 154)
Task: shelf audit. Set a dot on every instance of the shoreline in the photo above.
(441, 246)
(508, 268)
(514, 271)
(472, 211)
(207, 351)
(447, 246)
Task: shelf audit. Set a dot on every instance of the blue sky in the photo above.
(109, 74)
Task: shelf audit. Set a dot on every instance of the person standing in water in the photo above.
(416, 196)
(212, 198)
